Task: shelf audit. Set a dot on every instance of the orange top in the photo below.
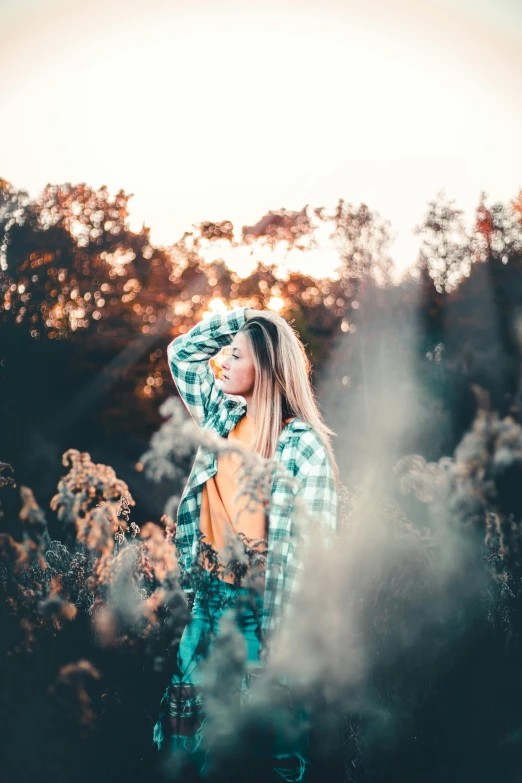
(222, 517)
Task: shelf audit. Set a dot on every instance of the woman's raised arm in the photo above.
(189, 356)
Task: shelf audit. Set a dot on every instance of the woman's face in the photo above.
(238, 368)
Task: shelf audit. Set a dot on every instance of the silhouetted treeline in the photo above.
(87, 308)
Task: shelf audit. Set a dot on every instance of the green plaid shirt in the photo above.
(308, 474)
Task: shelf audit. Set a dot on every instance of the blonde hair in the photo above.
(282, 386)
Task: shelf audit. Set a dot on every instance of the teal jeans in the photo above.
(180, 725)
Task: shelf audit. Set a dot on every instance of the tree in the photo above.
(445, 249)
(362, 238)
(72, 264)
(498, 230)
(282, 225)
(12, 206)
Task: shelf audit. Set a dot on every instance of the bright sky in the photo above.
(221, 109)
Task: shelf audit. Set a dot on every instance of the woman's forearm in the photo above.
(188, 356)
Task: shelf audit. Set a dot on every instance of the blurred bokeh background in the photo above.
(356, 167)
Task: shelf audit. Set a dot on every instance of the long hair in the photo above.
(282, 386)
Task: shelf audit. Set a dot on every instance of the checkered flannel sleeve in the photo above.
(317, 494)
(189, 356)
(317, 484)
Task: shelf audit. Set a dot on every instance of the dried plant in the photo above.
(69, 691)
(172, 446)
(373, 606)
(122, 577)
(479, 489)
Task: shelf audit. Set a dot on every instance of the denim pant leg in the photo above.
(183, 700)
(289, 760)
(181, 711)
(186, 700)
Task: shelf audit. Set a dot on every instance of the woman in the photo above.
(264, 403)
